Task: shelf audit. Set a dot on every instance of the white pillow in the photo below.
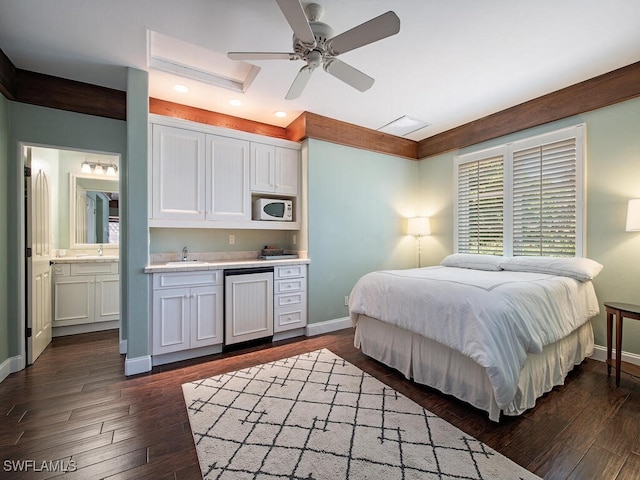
(580, 268)
(473, 260)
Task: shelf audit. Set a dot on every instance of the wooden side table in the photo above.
(619, 310)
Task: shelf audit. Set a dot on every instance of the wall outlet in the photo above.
(294, 239)
(346, 300)
(232, 239)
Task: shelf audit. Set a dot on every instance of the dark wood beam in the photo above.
(7, 77)
(602, 91)
(311, 125)
(55, 92)
(185, 112)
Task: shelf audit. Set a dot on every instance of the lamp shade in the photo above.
(633, 215)
(418, 226)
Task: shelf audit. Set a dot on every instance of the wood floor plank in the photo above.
(597, 464)
(75, 403)
(556, 462)
(631, 469)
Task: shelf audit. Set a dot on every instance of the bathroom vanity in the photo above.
(86, 294)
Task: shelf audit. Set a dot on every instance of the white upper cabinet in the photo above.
(228, 195)
(274, 169)
(287, 171)
(263, 168)
(205, 177)
(178, 174)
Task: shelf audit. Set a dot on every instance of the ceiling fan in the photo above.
(315, 43)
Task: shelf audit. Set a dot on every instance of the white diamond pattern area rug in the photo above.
(315, 416)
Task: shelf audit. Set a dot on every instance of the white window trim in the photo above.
(506, 150)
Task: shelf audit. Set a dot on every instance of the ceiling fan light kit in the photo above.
(314, 42)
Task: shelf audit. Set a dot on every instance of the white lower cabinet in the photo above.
(187, 310)
(290, 298)
(85, 293)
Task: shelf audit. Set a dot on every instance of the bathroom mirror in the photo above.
(94, 213)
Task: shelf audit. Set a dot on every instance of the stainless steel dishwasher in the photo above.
(248, 304)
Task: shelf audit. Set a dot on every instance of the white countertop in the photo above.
(86, 259)
(221, 265)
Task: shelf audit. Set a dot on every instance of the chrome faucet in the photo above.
(185, 254)
(100, 250)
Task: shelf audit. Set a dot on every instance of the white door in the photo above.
(206, 316)
(74, 300)
(263, 168)
(38, 237)
(227, 167)
(171, 317)
(287, 171)
(107, 298)
(178, 182)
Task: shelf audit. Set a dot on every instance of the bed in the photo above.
(495, 332)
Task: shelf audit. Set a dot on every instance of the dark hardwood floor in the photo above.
(76, 406)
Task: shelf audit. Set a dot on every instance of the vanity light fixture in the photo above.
(99, 169)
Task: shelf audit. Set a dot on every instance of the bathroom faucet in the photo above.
(100, 250)
(185, 254)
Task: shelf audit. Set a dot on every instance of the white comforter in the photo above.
(495, 318)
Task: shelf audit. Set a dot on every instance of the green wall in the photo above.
(47, 127)
(613, 177)
(4, 228)
(134, 233)
(357, 205)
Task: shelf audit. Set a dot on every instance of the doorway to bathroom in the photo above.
(71, 231)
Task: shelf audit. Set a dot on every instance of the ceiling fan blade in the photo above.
(375, 29)
(299, 83)
(294, 13)
(262, 56)
(348, 74)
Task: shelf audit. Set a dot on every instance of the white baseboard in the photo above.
(328, 326)
(134, 366)
(185, 354)
(10, 365)
(600, 353)
(298, 332)
(84, 328)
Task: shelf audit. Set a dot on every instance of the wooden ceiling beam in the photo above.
(604, 90)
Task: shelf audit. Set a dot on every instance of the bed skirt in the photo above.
(449, 371)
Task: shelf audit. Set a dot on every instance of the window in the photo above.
(523, 198)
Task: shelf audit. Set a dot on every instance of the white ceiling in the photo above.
(453, 61)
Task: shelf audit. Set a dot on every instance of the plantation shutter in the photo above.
(544, 199)
(480, 206)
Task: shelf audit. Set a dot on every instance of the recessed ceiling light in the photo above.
(180, 88)
(280, 114)
(235, 102)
